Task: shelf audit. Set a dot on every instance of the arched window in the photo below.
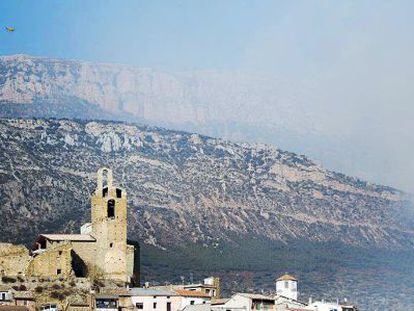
(111, 208)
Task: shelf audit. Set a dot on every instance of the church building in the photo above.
(99, 251)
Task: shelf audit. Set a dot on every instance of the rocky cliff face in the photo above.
(202, 189)
(182, 99)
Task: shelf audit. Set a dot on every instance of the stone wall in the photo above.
(14, 259)
(52, 262)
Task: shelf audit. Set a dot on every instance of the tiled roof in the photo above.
(191, 293)
(69, 237)
(137, 291)
(23, 295)
(256, 296)
(219, 301)
(198, 285)
(287, 277)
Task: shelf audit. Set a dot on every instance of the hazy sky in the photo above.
(357, 57)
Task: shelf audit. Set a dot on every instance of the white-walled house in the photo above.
(330, 306)
(249, 302)
(287, 286)
(192, 297)
(5, 295)
(147, 299)
(283, 303)
(103, 302)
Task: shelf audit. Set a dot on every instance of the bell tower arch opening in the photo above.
(111, 208)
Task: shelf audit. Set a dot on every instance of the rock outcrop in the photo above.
(201, 188)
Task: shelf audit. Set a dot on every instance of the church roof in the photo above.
(70, 237)
(287, 277)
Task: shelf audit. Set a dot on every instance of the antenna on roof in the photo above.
(191, 278)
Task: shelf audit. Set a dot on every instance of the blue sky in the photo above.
(289, 37)
(170, 34)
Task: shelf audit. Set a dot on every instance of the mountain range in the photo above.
(198, 205)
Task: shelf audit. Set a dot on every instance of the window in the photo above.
(168, 297)
(168, 306)
(60, 253)
(155, 297)
(48, 307)
(207, 291)
(191, 302)
(3, 296)
(111, 244)
(154, 305)
(286, 284)
(111, 208)
(105, 303)
(105, 192)
(118, 193)
(140, 305)
(58, 271)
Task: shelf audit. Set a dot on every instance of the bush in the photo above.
(38, 289)
(58, 295)
(56, 286)
(7, 279)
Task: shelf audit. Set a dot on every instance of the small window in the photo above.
(191, 302)
(168, 297)
(118, 193)
(140, 305)
(111, 208)
(58, 271)
(207, 291)
(105, 192)
(154, 305)
(111, 244)
(286, 284)
(155, 297)
(3, 296)
(204, 302)
(60, 253)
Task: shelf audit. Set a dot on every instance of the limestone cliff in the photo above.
(201, 188)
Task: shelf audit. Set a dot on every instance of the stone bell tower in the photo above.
(109, 228)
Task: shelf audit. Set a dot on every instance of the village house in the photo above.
(250, 302)
(148, 299)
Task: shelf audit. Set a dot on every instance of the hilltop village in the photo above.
(96, 270)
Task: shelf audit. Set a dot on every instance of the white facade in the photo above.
(188, 301)
(324, 306)
(154, 300)
(155, 303)
(5, 296)
(238, 301)
(287, 286)
(249, 302)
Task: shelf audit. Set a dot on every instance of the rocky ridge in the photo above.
(201, 188)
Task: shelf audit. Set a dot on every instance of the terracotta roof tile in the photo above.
(191, 293)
